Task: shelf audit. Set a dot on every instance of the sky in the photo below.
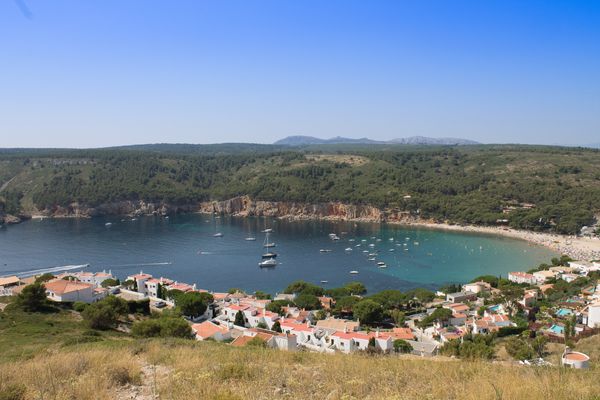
(112, 72)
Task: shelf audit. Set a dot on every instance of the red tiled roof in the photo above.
(62, 286)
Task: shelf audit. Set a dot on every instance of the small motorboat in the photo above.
(348, 249)
(380, 263)
(365, 251)
(325, 251)
(351, 240)
(218, 234)
(392, 250)
(416, 243)
(371, 259)
(108, 224)
(354, 272)
(268, 230)
(250, 239)
(269, 262)
(324, 281)
(382, 266)
(371, 245)
(269, 255)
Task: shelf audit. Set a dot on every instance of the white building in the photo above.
(593, 320)
(522, 277)
(61, 290)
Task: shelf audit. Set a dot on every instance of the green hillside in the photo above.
(541, 187)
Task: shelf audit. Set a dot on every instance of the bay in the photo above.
(183, 248)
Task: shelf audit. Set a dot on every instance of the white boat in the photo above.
(392, 250)
(351, 240)
(354, 272)
(391, 239)
(108, 224)
(269, 255)
(365, 251)
(378, 240)
(380, 263)
(266, 242)
(269, 262)
(348, 249)
(382, 266)
(268, 230)
(372, 254)
(333, 236)
(324, 251)
(371, 259)
(416, 243)
(218, 234)
(371, 245)
(324, 281)
(250, 239)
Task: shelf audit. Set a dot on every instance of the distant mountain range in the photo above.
(413, 140)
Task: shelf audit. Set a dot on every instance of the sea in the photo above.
(184, 248)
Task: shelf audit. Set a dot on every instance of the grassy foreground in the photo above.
(189, 370)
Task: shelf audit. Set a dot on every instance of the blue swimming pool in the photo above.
(563, 312)
(559, 330)
(495, 308)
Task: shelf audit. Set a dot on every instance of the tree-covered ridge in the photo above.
(537, 187)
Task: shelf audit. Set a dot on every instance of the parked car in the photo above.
(159, 304)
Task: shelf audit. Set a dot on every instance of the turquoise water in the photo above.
(183, 248)
(564, 312)
(559, 330)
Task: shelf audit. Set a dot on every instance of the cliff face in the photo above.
(244, 206)
(133, 208)
(239, 206)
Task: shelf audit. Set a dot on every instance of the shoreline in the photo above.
(578, 248)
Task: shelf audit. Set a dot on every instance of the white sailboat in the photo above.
(269, 256)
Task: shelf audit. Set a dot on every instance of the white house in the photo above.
(348, 342)
(210, 330)
(522, 277)
(477, 287)
(61, 290)
(593, 320)
(544, 275)
(140, 281)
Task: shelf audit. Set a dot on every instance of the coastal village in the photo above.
(527, 303)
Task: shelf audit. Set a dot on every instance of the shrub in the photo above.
(162, 327)
(367, 311)
(79, 306)
(402, 346)
(33, 297)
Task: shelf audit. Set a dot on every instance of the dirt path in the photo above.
(152, 376)
(5, 184)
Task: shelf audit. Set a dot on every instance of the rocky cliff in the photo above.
(244, 206)
(239, 206)
(127, 207)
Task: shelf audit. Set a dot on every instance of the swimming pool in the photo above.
(557, 329)
(495, 308)
(563, 312)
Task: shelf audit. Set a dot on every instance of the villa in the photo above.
(210, 330)
(61, 290)
(522, 277)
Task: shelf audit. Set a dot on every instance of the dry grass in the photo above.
(218, 371)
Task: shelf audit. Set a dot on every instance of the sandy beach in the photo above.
(578, 248)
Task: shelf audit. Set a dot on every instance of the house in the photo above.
(210, 330)
(95, 278)
(285, 296)
(140, 281)
(529, 298)
(593, 311)
(348, 342)
(481, 327)
(477, 287)
(338, 324)
(402, 334)
(583, 267)
(231, 311)
(7, 284)
(183, 287)
(272, 339)
(61, 290)
(522, 277)
(460, 297)
(303, 331)
(544, 276)
(423, 349)
(153, 283)
(326, 302)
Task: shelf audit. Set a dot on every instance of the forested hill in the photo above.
(533, 187)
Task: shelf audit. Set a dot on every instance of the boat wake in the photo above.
(49, 270)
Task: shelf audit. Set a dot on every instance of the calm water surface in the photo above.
(183, 248)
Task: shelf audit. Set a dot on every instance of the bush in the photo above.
(308, 301)
(402, 346)
(105, 313)
(33, 297)
(79, 306)
(192, 304)
(276, 306)
(139, 306)
(162, 327)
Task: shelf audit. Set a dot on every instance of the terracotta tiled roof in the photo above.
(61, 286)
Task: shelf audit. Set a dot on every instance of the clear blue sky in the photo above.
(111, 72)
